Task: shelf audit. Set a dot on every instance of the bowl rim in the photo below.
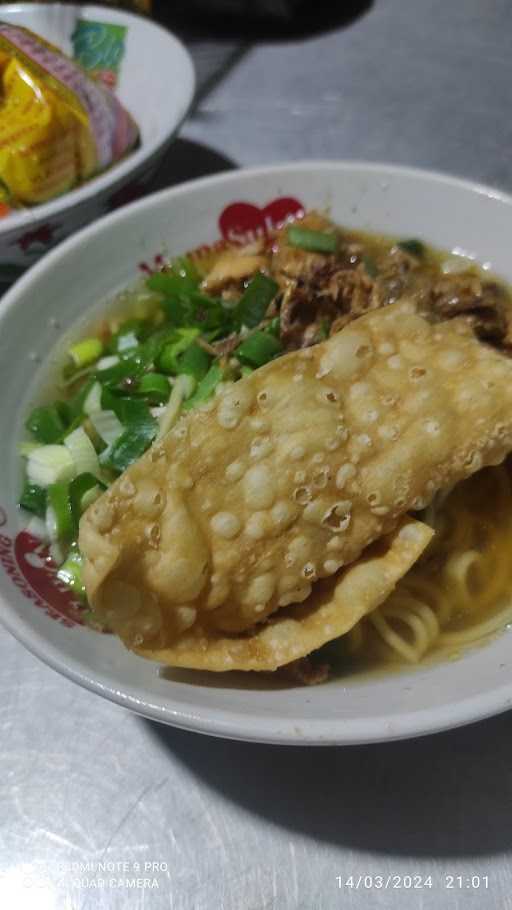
(76, 197)
(228, 723)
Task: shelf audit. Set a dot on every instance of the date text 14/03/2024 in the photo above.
(412, 882)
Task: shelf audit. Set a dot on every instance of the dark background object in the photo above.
(257, 19)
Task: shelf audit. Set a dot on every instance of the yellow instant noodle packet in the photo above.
(58, 127)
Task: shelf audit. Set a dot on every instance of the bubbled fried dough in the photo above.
(290, 473)
(334, 607)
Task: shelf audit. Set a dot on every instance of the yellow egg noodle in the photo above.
(466, 575)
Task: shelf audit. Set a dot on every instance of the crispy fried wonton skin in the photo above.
(289, 474)
(334, 607)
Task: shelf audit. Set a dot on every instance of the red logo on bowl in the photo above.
(243, 222)
(26, 561)
(42, 236)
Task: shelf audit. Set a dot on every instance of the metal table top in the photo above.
(102, 809)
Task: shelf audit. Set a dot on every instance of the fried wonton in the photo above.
(290, 474)
(334, 607)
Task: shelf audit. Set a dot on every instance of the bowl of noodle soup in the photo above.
(432, 650)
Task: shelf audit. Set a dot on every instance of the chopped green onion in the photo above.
(130, 446)
(181, 277)
(255, 300)
(246, 371)
(59, 517)
(82, 452)
(76, 403)
(412, 246)
(86, 352)
(33, 499)
(105, 363)
(274, 326)
(56, 552)
(83, 491)
(107, 425)
(183, 304)
(312, 241)
(26, 448)
(134, 412)
(92, 402)
(195, 362)
(92, 495)
(167, 360)
(259, 348)
(206, 387)
(370, 266)
(323, 330)
(70, 572)
(127, 342)
(182, 389)
(155, 387)
(70, 376)
(129, 334)
(49, 465)
(46, 424)
(122, 373)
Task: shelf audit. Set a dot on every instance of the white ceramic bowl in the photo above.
(86, 271)
(156, 84)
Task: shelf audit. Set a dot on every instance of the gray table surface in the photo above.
(90, 794)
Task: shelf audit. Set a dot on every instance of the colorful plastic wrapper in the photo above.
(99, 47)
(58, 126)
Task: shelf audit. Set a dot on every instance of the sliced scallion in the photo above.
(46, 423)
(57, 552)
(182, 389)
(255, 300)
(370, 266)
(82, 452)
(127, 342)
(70, 572)
(121, 373)
(155, 387)
(129, 334)
(92, 402)
(83, 491)
(76, 403)
(105, 363)
(181, 277)
(26, 448)
(312, 241)
(167, 360)
(195, 362)
(60, 520)
(206, 387)
(274, 326)
(33, 499)
(130, 446)
(86, 352)
(259, 348)
(107, 425)
(322, 332)
(133, 412)
(49, 465)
